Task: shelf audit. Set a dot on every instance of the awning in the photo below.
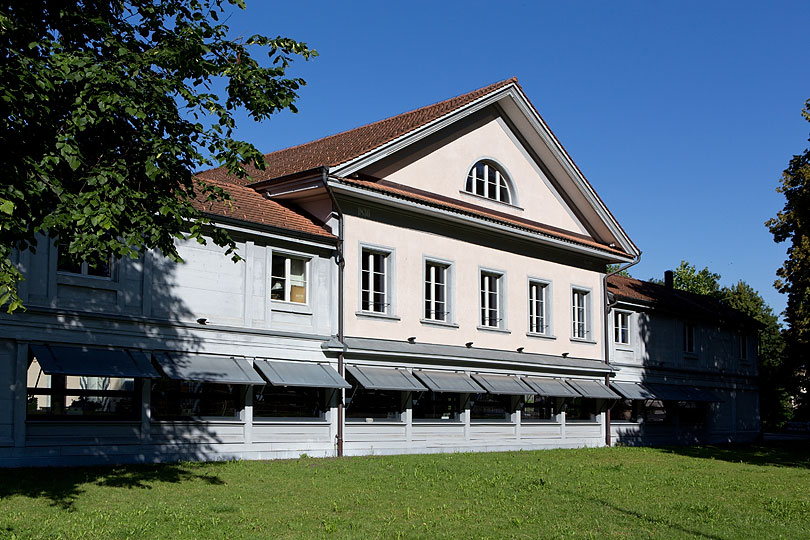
(635, 391)
(300, 374)
(669, 392)
(448, 381)
(215, 369)
(550, 387)
(381, 378)
(593, 389)
(503, 384)
(84, 361)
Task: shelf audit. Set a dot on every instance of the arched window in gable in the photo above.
(488, 180)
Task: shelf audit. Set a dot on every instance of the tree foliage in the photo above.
(688, 278)
(614, 267)
(107, 109)
(792, 225)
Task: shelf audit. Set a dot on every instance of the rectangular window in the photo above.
(539, 408)
(436, 305)
(621, 327)
(68, 264)
(374, 281)
(436, 406)
(490, 299)
(288, 279)
(538, 321)
(70, 397)
(288, 402)
(183, 400)
(579, 314)
(743, 347)
(491, 407)
(688, 338)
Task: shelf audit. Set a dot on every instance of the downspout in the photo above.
(608, 306)
(341, 263)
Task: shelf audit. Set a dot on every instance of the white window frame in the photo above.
(287, 281)
(485, 301)
(544, 288)
(617, 327)
(389, 279)
(502, 184)
(581, 314)
(428, 288)
(689, 338)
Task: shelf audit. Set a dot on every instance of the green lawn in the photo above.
(711, 492)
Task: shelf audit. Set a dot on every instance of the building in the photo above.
(431, 282)
(686, 366)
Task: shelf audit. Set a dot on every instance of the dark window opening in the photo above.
(491, 407)
(180, 400)
(436, 406)
(288, 402)
(539, 408)
(364, 403)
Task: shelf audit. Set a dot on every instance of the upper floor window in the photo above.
(288, 279)
(621, 327)
(538, 319)
(579, 314)
(374, 279)
(487, 180)
(743, 347)
(69, 264)
(491, 298)
(688, 338)
(436, 302)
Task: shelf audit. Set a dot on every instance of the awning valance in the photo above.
(593, 389)
(635, 391)
(384, 378)
(281, 373)
(503, 384)
(550, 387)
(448, 381)
(89, 362)
(215, 369)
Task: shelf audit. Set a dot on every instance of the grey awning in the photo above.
(503, 384)
(379, 378)
(669, 392)
(63, 360)
(300, 374)
(635, 391)
(448, 381)
(550, 387)
(216, 369)
(593, 389)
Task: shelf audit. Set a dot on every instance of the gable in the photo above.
(440, 164)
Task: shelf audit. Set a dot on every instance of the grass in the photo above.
(708, 492)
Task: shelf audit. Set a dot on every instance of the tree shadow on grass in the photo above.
(777, 453)
(62, 487)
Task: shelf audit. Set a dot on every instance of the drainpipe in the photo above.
(608, 306)
(341, 263)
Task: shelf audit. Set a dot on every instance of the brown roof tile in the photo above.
(698, 306)
(249, 205)
(342, 147)
(391, 188)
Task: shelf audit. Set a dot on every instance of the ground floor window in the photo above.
(288, 402)
(80, 397)
(539, 408)
(692, 414)
(627, 410)
(177, 400)
(581, 409)
(362, 403)
(491, 407)
(436, 406)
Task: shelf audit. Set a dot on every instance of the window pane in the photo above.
(287, 402)
(278, 268)
(538, 408)
(185, 399)
(364, 403)
(67, 263)
(436, 406)
(491, 407)
(277, 288)
(298, 281)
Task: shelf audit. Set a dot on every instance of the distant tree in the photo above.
(776, 381)
(106, 111)
(687, 278)
(613, 267)
(792, 224)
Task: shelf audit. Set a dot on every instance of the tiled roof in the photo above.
(342, 147)
(405, 192)
(698, 306)
(250, 206)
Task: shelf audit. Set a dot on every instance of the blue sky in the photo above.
(682, 115)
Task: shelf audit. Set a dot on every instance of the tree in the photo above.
(688, 278)
(775, 377)
(792, 224)
(614, 267)
(107, 109)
